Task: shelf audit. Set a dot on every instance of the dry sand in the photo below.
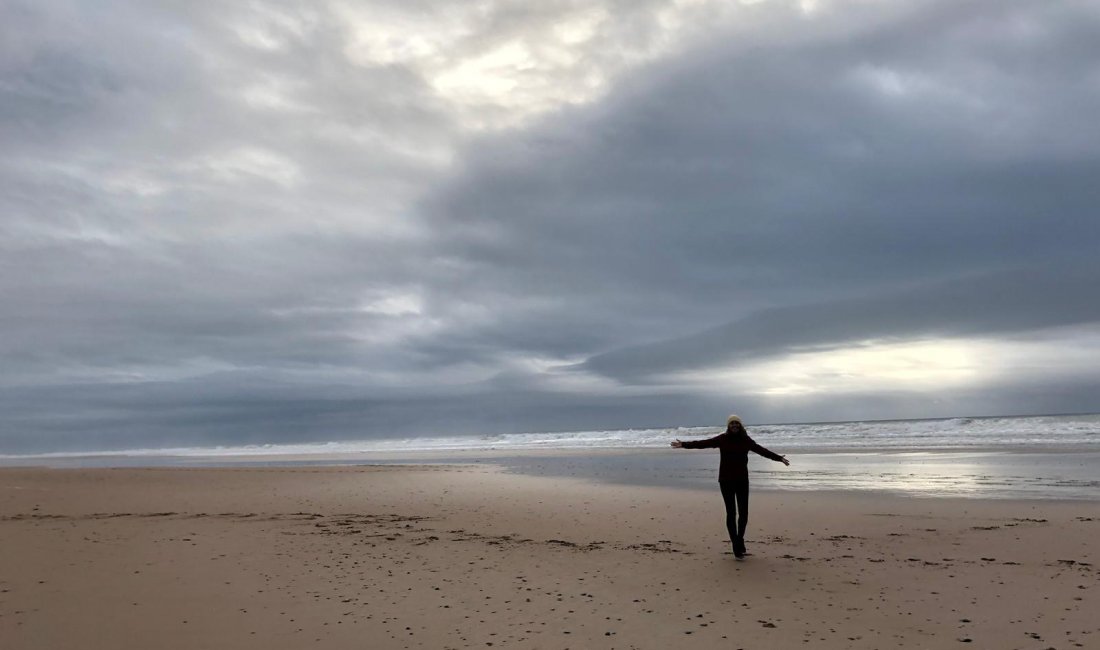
(462, 556)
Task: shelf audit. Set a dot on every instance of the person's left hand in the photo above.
(676, 444)
(785, 461)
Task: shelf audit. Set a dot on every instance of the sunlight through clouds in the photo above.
(921, 365)
(863, 367)
(499, 73)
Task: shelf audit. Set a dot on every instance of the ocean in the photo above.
(1043, 457)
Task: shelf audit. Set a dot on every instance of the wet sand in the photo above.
(999, 473)
(462, 556)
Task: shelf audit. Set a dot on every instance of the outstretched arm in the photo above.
(767, 453)
(709, 443)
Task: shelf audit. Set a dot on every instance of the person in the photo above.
(733, 474)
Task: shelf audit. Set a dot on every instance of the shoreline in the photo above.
(999, 474)
(710, 488)
(23, 460)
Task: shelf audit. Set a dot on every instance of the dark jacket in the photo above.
(735, 448)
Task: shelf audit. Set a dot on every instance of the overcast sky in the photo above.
(226, 223)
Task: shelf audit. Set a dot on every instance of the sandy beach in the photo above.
(469, 556)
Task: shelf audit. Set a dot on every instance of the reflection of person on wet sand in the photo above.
(733, 474)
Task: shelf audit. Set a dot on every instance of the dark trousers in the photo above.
(736, 495)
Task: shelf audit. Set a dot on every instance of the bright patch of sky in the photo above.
(925, 365)
(498, 73)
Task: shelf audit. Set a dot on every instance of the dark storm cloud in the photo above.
(253, 410)
(231, 223)
(827, 165)
(995, 304)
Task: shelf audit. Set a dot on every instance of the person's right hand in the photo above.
(676, 444)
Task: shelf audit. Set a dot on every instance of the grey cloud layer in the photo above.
(760, 176)
(185, 216)
(989, 305)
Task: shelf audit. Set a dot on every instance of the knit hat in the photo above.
(734, 418)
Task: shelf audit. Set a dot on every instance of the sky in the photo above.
(265, 222)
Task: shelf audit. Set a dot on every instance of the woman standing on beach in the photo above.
(733, 474)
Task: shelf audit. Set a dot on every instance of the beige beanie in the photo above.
(734, 418)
